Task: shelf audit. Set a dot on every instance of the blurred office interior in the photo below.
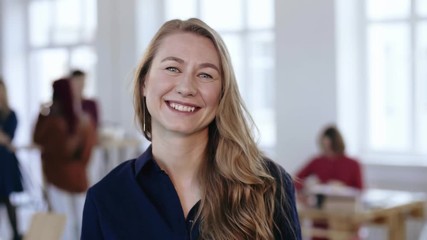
(300, 64)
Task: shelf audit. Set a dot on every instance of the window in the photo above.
(60, 37)
(247, 28)
(396, 54)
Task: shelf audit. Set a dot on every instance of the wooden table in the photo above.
(375, 206)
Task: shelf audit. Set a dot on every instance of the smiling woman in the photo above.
(203, 177)
(182, 88)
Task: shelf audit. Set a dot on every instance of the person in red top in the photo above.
(332, 166)
(66, 136)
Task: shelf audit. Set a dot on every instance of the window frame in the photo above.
(51, 45)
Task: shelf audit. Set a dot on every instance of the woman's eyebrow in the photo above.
(179, 60)
(209, 65)
(176, 59)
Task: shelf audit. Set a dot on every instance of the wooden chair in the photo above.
(46, 226)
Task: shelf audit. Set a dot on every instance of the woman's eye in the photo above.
(205, 75)
(172, 69)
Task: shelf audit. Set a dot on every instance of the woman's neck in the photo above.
(180, 157)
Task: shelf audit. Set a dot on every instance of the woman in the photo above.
(10, 175)
(66, 136)
(332, 166)
(203, 177)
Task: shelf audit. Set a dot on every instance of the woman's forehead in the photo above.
(188, 43)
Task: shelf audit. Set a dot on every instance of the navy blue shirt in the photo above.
(137, 200)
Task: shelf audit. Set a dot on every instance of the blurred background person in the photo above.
(90, 106)
(331, 167)
(10, 175)
(66, 136)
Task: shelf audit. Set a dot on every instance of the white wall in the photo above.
(305, 74)
(117, 58)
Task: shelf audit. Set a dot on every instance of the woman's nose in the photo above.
(186, 86)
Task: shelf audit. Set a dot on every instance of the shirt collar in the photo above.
(146, 161)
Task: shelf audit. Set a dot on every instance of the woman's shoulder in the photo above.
(279, 173)
(54, 121)
(285, 216)
(319, 158)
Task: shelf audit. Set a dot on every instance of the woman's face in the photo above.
(77, 85)
(326, 144)
(183, 86)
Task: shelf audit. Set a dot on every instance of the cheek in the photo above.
(212, 94)
(154, 88)
(151, 90)
(326, 144)
(217, 97)
(147, 87)
(78, 84)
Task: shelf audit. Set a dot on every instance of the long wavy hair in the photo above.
(238, 192)
(4, 102)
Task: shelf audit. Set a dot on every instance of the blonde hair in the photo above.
(4, 102)
(238, 192)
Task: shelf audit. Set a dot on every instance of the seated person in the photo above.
(332, 167)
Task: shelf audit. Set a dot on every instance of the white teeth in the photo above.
(182, 108)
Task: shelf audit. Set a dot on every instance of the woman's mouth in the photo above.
(181, 107)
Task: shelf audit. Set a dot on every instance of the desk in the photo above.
(386, 207)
